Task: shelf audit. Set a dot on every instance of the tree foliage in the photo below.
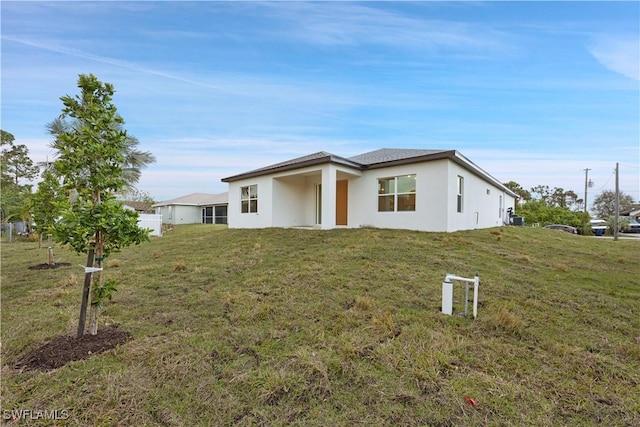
(604, 205)
(539, 211)
(545, 205)
(16, 164)
(523, 195)
(15, 167)
(46, 203)
(83, 219)
(133, 159)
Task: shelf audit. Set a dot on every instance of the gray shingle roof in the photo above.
(197, 199)
(385, 155)
(299, 162)
(320, 155)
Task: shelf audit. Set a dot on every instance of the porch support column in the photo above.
(329, 177)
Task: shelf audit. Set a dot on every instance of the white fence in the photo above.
(152, 221)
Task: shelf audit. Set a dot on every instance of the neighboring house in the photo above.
(428, 190)
(140, 207)
(196, 208)
(633, 213)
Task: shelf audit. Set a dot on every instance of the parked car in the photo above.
(599, 226)
(567, 228)
(632, 226)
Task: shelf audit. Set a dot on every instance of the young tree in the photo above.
(45, 203)
(91, 151)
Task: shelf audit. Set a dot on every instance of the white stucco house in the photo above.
(196, 208)
(426, 190)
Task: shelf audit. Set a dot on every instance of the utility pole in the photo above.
(617, 203)
(587, 184)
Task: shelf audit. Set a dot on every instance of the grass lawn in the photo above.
(341, 327)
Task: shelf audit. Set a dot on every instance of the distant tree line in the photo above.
(17, 171)
(544, 205)
(19, 202)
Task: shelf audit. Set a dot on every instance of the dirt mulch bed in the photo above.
(46, 266)
(64, 349)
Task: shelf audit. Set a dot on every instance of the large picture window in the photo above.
(249, 199)
(397, 194)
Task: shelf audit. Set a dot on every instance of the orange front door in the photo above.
(342, 195)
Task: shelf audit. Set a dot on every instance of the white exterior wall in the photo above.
(295, 200)
(180, 214)
(260, 219)
(431, 194)
(481, 205)
(287, 199)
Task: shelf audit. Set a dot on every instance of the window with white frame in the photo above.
(397, 194)
(460, 195)
(249, 199)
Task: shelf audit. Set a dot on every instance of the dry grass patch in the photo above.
(523, 259)
(179, 266)
(561, 267)
(505, 320)
(363, 303)
(383, 323)
(70, 281)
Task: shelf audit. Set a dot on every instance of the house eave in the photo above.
(469, 165)
(299, 165)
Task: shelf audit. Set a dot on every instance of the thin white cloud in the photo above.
(106, 60)
(349, 24)
(620, 54)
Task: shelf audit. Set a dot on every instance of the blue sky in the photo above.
(533, 92)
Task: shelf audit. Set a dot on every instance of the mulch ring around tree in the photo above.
(46, 266)
(64, 349)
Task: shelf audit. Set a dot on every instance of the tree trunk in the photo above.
(85, 296)
(93, 319)
(97, 279)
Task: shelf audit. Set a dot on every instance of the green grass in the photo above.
(340, 327)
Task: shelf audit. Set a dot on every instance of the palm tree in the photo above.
(134, 160)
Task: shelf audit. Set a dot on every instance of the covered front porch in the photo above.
(316, 198)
